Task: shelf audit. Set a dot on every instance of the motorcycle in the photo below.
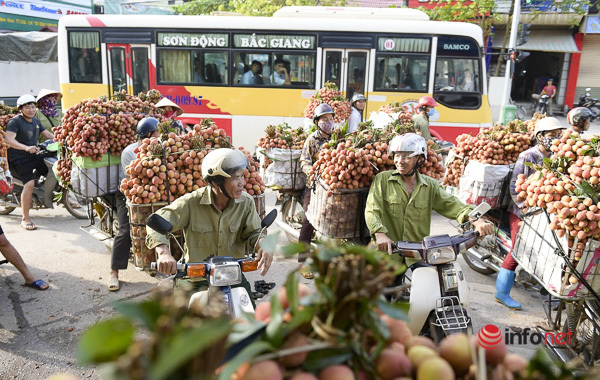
(45, 189)
(542, 105)
(586, 100)
(439, 293)
(221, 272)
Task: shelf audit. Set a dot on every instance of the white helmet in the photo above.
(25, 99)
(408, 142)
(547, 124)
(223, 162)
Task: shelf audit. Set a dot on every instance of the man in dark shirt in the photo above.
(22, 132)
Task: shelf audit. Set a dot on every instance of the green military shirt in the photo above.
(422, 125)
(389, 210)
(208, 230)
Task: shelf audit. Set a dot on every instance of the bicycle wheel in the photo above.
(76, 205)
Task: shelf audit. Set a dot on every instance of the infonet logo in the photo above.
(490, 337)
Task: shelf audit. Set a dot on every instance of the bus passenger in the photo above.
(198, 76)
(253, 76)
(281, 74)
(323, 118)
(421, 118)
(358, 102)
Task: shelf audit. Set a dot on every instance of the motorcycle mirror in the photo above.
(159, 224)
(479, 211)
(269, 219)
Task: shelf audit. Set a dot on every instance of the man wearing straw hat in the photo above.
(171, 111)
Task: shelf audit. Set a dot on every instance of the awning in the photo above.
(543, 40)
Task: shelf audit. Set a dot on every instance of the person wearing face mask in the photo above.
(323, 118)
(47, 112)
(171, 111)
(546, 131)
(421, 118)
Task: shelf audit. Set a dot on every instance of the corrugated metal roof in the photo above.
(543, 40)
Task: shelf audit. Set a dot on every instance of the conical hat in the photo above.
(164, 102)
(46, 92)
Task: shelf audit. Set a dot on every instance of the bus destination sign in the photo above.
(193, 40)
(270, 41)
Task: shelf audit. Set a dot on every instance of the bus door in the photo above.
(347, 68)
(128, 68)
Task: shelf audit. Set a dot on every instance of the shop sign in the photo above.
(592, 25)
(203, 40)
(268, 41)
(25, 15)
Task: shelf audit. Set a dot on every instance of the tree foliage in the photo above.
(248, 7)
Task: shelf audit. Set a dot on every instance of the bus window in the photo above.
(396, 72)
(333, 66)
(117, 69)
(140, 69)
(84, 57)
(458, 75)
(357, 66)
(174, 66)
(248, 68)
(209, 67)
(299, 68)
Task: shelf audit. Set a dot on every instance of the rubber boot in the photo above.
(504, 283)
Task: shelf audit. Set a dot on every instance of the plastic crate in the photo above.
(137, 220)
(341, 215)
(543, 255)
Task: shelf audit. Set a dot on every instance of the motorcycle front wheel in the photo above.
(76, 205)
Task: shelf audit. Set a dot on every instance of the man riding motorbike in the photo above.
(218, 219)
(400, 201)
(546, 130)
(579, 118)
(22, 133)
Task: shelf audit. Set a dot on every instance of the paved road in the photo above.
(39, 330)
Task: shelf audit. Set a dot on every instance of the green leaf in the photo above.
(186, 344)
(244, 356)
(146, 312)
(293, 249)
(589, 190)
(291, 288)
(105, 341)
(302, 317)
(269, 243)
(397, 310)
(317, 360)
(274, 328)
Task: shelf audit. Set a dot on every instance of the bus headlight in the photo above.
(225, 275)
(440, 255)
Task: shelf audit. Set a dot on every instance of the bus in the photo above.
(226, 67)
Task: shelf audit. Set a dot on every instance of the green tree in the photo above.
(248, 7)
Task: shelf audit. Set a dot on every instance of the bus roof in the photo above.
(353, 12)
(231, 23)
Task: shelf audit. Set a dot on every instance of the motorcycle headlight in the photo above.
(440, 255)
(226, 274)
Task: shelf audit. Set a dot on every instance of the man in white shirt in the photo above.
(252, 76)
(280, 74)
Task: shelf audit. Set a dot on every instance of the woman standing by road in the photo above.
(47, 111)
(323, 118)
(171, 111)
(421, 118)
